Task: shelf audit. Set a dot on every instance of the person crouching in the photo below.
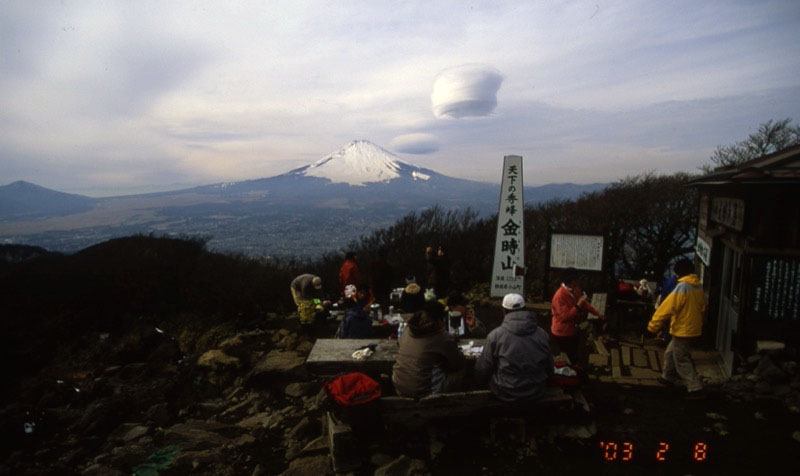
(428, 360)
(516, 356)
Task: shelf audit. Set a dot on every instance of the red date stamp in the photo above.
(624, 451)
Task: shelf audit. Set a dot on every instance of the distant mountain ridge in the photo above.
(25, 199)
(306, 211)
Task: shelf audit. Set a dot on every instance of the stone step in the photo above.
(626, 355)
(653, 358)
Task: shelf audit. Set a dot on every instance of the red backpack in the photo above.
(353, 389)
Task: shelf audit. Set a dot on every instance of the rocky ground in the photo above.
(240, 402)
(244, 407)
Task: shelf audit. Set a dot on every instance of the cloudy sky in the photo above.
(112, 97)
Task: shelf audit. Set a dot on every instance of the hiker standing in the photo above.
(438, 270)
(349, 272)
(380, 277)
(566, 307)
(683, 309)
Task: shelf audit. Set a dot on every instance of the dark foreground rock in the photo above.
(244, 404)
(238, 408)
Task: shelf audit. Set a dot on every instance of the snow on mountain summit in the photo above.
(358, 163)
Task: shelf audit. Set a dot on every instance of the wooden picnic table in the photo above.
(332, 356)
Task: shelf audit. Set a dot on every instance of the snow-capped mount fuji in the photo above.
(361, 162)
(304, 212)
(359, 176)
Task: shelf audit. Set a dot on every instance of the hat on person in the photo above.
(411, 279)
(413, 288)
(317, 282)
(513, 301)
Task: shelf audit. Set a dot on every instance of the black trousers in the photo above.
(568, 345)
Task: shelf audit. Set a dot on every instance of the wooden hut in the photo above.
(748, 246)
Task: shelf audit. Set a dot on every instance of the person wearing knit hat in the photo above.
(412, 299)
(516, 357)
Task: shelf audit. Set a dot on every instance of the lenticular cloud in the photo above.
(415, 143)
(466, 91)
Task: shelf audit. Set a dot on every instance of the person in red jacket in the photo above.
(568, 303)
(349, 272)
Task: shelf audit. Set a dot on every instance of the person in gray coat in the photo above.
(516, 357)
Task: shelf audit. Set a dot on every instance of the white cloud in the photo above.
(128, 93)
(466, 91)
(418, 143)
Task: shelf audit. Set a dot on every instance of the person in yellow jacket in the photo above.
(683, 309)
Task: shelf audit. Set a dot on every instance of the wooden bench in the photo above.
(411, 412)
(345, 448)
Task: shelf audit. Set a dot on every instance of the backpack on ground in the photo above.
(353, 398)
(353, 389)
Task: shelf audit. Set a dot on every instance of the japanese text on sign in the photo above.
(576, 251)
(776, 289)
(509, 250)
(703, 251)
(728, 211)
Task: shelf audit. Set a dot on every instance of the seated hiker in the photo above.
(356, 323)
(516, 356)
(428, 359)
(458, 303)
(412, 299)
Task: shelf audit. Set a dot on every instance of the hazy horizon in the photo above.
(100, 192)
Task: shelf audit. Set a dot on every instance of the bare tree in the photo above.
(770, 137)
(647, 220)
